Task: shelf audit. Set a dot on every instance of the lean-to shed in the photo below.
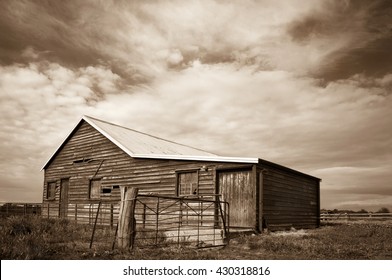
(97, 157)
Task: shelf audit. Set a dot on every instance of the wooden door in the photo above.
(64, 187)
(236, 188)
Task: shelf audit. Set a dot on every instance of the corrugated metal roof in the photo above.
(135, 142)
(142, 145)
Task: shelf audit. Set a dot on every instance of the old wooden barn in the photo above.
(98, 157)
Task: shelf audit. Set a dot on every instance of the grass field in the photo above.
(36, 238)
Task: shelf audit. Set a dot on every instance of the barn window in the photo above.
(82, 160)
(51, 190)
(106, 190)
(95, 188)
(187, 183)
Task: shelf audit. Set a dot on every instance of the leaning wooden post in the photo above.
(126, 218)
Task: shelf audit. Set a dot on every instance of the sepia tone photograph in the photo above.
(196, 130)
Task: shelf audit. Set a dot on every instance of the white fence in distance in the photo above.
(355, 216)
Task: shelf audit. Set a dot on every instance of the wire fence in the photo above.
(20, 209)
(164, 220)
(160, 220)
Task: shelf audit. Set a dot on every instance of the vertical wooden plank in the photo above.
(64, 187)
(156, 222)
(126, 218)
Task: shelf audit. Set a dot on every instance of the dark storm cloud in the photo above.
(45, 26)
(71, 33)
(374, 59)
(367, 24)
(138, 39)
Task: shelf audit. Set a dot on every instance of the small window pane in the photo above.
(106, 190)
(51, 192)
(187, 183)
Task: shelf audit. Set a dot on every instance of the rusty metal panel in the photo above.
(236, 188)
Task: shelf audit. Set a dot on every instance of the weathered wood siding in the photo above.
(290, 199)
(107, 162)
(237, 188)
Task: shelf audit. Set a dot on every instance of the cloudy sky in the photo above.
(306, 84)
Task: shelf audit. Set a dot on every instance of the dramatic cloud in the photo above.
(141, 40)
(38, 101)
(303, 83)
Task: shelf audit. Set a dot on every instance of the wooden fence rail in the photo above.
(83, 212)
(160, 220)
(20, 209)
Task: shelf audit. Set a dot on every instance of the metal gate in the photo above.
(165, 220)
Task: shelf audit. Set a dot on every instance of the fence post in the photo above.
(111, 215)
(126, 218)
(157, 223)
(95, 224)
(179, 222)
(76, 213)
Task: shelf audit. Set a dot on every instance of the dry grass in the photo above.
(36, 238)
(351, 241)
(32, 237)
